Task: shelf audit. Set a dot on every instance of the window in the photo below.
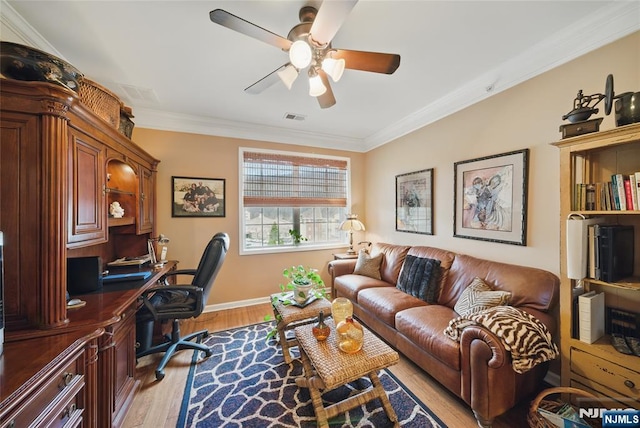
(283, 192)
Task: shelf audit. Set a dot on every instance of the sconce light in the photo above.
(351, 224)
(161, 240)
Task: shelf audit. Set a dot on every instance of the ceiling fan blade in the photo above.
(375, 62)
(327, 99)
(267, 81)
(245, 27)
(329, 19)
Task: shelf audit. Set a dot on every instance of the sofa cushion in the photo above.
(420, 277)
(368, 265)
(350, 285)
(385, 302)
(393, 259)
(479, 296)
(530, 287)
(425, 327)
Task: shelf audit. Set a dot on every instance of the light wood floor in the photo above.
(157, 404)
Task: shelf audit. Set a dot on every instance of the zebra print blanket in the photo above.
(522, 334)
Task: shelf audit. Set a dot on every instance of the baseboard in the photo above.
(236, 304)
(552, 379)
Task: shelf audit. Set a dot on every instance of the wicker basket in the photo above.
(538, 421)
(100, 100)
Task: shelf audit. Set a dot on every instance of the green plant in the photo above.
(296, 236)
(296, 275)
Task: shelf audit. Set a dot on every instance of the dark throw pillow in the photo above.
(420, 277)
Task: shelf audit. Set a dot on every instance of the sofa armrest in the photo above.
(488, 382)
(341, 267)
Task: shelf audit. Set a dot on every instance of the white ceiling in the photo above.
(189, 74)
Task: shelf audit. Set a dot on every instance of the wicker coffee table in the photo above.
(327, 368)
(290, 316)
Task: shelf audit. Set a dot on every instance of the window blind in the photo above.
(282, 180)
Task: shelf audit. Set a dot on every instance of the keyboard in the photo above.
(129, 276)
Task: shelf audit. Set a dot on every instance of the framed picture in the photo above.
(414, 202)
(490, 198)
(197, 197)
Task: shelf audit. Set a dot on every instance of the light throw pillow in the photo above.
(479, 296)
(420, 277)
(367, 265)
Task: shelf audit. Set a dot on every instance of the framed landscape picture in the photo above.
(490, 198)
(414, 202)
(197, 197)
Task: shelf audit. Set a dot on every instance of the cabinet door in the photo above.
(87, 172)
(146, 201)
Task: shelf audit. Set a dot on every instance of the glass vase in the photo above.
(341, 308)
(350, 335)
(321, 330)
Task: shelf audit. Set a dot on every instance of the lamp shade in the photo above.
(352, 223)
(316, 87)
(288, 75)
(333, 67)
(300, 54)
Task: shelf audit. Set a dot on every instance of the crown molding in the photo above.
(598, 29)
(166, 121)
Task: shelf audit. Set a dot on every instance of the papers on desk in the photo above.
(131, 261)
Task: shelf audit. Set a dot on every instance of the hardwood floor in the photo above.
(157, 404)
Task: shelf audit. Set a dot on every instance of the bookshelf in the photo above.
(586, 160)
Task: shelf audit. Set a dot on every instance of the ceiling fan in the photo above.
(309, 47)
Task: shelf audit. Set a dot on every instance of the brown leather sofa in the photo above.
(478, 368)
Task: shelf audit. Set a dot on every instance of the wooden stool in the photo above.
(289, 317)
(327, 368)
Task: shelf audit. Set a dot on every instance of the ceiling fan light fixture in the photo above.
(300, 54)
(333, 67)
(316, 87)
(288, 75)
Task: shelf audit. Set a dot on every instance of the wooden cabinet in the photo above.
(87, 214)
(147, 200)
(598, 367)
(61, 166)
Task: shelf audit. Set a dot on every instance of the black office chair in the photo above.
(175, 302)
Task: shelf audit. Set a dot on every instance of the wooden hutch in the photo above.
(61, 165)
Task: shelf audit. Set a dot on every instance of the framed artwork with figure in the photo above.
(414, 202)
(490, 198)
(197, 197)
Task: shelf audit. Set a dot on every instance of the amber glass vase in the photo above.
(350, 335)
(321, 331)
(341, 308)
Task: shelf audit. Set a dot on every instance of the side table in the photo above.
(327, 368)
(289, 317)
(344, 256)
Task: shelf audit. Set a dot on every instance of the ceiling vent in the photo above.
(138, 94)
(293, 116)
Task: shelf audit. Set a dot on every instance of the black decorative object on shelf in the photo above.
(21, 62)
(627, 106)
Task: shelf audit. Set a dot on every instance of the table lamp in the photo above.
(350, 224)
(162, 240)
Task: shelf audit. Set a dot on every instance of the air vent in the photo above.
(293, 116)
(135, 93)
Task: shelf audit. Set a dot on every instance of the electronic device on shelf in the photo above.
(126, 276)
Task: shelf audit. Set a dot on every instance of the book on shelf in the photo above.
(622, 193)
(637, 177)
(633, 190)
(621, 200)
(591, 315)
(627, 194)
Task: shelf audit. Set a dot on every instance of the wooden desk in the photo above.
(82, 371)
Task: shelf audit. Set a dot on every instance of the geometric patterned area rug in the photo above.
(246, 383)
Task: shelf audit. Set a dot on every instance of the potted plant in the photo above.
(304, 282)
(296, 236)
